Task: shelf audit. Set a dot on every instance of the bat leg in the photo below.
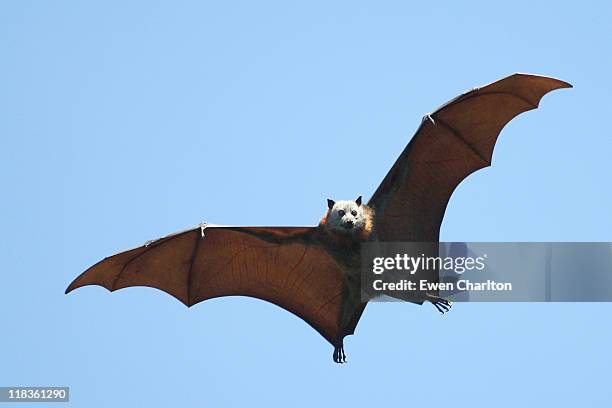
(443, 305)
(339, 356)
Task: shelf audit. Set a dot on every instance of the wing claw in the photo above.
(203, 226)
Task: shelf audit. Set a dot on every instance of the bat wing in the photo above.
(450, 144)
(283, 265)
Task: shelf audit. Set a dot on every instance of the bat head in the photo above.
(347, 217)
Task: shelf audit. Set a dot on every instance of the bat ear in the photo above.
(330, 203)
(358, 201)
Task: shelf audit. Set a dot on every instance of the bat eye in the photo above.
(341, 213)
(354, 213)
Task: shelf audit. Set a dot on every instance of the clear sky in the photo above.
(125, 120)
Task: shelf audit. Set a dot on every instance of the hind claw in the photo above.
(339, 356)
(443, 305)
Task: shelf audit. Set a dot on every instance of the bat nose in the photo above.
(349, 224)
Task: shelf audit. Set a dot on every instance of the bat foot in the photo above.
(339, 356)
(443, 305)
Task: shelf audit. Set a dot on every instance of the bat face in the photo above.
(346, 216)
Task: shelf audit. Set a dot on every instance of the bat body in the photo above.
(314, 272)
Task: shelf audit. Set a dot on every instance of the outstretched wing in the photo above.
(450, 144)
(282, 265)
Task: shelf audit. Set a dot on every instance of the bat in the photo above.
(314, 272)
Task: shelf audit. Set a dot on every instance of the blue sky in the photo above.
(124, 121)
